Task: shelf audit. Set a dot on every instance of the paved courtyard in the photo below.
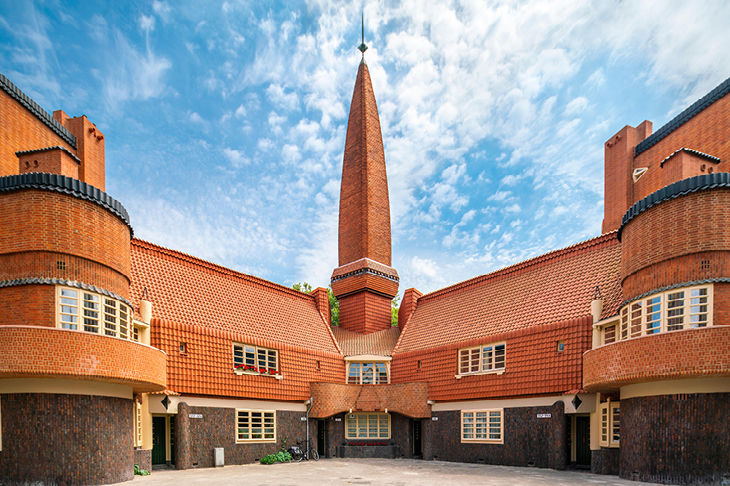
(385, 472)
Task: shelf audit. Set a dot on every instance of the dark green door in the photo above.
(417, 439)
(582, 441)
(159, 444)
(321, 438)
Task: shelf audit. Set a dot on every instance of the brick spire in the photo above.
(364, 282)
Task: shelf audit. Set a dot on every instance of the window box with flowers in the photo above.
(252, 360)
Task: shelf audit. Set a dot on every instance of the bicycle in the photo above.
(297, 454)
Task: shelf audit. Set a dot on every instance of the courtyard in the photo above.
(386, 472)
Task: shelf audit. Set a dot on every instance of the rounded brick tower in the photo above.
(364, 283)
(73, 357)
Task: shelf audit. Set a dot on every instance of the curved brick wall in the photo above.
(690, 353)
(29, 351)
(688, 224)
(45, 221)
(29, 305)
(66, 439)
(676, 439)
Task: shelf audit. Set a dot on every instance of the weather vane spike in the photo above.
(363, 47)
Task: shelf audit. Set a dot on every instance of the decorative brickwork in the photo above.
(408, 399)
(29, 305)
(197, 437)
(54, 160)
(29, 351)
(605, 461)
(688, 353)
(365, 312)
(528, 441)
(533, 365)
(91, 437)
(676, 439)
(143, 458)
(90, 145)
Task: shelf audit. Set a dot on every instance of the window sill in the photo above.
(255, 373)
(491, 372)
(467, 441)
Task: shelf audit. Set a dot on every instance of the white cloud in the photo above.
(236, 158)
(500, 196)
(286, 101)
(577, 105)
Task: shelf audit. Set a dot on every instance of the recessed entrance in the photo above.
(163, 440)
(418, 439)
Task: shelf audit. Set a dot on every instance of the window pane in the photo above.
(250, 356)
(367, 373)
(487, 358)
(499, 354)
(237, 355)
(354, 373)
(653, 315)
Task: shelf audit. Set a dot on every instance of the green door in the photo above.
(159, 443)
(582, 441)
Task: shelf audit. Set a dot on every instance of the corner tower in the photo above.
(364, 283)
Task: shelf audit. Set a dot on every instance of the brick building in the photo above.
(612, 354)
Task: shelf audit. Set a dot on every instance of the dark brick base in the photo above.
(196, 438)
(65, 439)
(676, 439)
(528, 441)
(143, 458)
(369, 452)
(605, 461)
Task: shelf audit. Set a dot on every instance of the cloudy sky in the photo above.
(225, 121)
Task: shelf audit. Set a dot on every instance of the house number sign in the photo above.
(544, 415)
(195, 415)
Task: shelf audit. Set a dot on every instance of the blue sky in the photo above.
(225, 121)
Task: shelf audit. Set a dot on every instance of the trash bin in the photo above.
(218, 457)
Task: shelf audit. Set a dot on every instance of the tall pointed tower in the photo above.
(364, 283)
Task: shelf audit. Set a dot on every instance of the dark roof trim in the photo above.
(683, 117)
(368, 271)
(693, 184)
(672, 287)
(48, 149)
(709, 157)
(39, 112)
(60, 281)
(66, 185)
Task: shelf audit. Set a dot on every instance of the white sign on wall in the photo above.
(544, 415)
(195, 415)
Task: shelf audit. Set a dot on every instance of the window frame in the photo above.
(377, 375)
(481, 351)
(368, 427)
(110, 317)
(137, 424)
(609, 432)
(472, 427)
(256, 351)
(652, 314)
(251, 440)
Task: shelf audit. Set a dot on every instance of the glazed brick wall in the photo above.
(196, 438)
(528, 441)
(51, 162)
(676, 439)
(696, 222)
(29, 305)
(407, 398)
(207, 366)
(355, 283)
(533, 365)
(401, 433)
(37, 220)
(44, 352)
(606, 460)
(369, 452)
(22, 131)
(365, 312)
(364, 227)
(66, 439)
(90, 144)
(143, 458)
(44, 264)
(678, 270)
(689, 353)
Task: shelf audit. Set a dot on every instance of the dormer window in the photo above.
(372, 373)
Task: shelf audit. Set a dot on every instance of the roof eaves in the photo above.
(48, 149)
(712, 158)
(36, 110)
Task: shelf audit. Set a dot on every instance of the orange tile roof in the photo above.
(379, 343)
(550, 288)
(189, 290)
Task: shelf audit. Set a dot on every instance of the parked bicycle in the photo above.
(297, 453)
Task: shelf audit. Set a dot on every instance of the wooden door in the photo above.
(582, 441)
(159, 441)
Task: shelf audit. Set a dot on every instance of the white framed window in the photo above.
(673, 310)
(482, 426)
(254, 358)
(255, 426)
(367, 373)
(137, 424)
(610, 424)
(487, 358)
(368, 426)
(82, 310)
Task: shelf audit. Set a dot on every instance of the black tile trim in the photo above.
(683, 117)
(711, 158)
(39, 112)
(60, 281)
(66, 185)
(686, 186)
(672, 287)
(48, 149)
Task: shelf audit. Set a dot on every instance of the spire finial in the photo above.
(363, 47)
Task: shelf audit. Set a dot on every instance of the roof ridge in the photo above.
(186, 257)
(534, 262)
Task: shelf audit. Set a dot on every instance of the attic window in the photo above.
(183, 348)
(319, 365)
(561, 346)
(420, 364)
(638, 173)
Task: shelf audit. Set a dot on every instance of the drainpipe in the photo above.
(596, 310)
(311, 402)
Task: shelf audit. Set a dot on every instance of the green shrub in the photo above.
(280, 456)
(140, 472)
